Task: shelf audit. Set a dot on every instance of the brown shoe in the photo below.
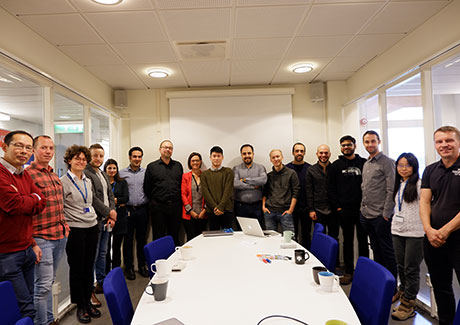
(98, 288)
(405, 310)
(346, 279)
(396, 297)
(94, 301)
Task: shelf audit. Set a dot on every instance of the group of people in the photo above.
(91, 212)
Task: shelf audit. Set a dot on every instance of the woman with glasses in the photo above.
(407, 231)
(193, 212)
(121, 194)
(82, 241)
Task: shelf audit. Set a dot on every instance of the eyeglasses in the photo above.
(22, 146)
(167, 148)
(79, 159)
(404, 166)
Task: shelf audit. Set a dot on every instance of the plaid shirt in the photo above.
(49, 224)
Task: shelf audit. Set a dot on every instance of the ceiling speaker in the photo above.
(317, 91)
(120, 99)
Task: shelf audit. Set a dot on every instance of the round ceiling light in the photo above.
(302, 68)
(158, 73)
(108, 2)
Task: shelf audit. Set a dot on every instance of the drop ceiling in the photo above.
(262, 38)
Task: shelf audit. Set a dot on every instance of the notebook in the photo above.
(251, 226)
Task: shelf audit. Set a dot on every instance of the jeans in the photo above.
(101, 252)
(272, 218)
(45, 274)
(379, 231)
(349, 219)
(18, 267)
(137, 228)
(441, 262)
(303, 236)
(409, 255)
(250, 210)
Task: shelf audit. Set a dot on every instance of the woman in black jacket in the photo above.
(120, 191)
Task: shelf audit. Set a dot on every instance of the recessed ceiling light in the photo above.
(158, 73)
(302, 68)
(108, 2)
(4, 117)
(5, 80)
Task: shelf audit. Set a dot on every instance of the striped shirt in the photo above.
(50, 223)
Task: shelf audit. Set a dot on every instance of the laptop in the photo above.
(251, 227)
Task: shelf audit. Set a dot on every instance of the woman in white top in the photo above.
(407, 231)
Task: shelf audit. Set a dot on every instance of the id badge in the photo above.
(86, 210)
(397, 218)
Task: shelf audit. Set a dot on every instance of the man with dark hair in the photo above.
(377, 202)
(50, 229)
(440, 214)
(138, 214)
(280, 194)
(248, 182)
(344, 194)
(217, 184)
(21, 200)
(162, 186)
(104, 205)
(300, 212)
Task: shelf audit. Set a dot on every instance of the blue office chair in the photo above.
(117, 296)
(457, 315)
(318, 228)
(325, 248)
(371, 292)
(158, 249)
(9, 309)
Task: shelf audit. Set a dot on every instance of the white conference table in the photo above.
(226, 283)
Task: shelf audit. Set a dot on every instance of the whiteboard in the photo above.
(265, 121)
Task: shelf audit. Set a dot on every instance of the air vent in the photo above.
(191, 51)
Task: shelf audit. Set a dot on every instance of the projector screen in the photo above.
(199, 123)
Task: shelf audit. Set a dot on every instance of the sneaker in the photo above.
(346, 279)
(405, 310)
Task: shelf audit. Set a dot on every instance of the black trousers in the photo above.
(166, 220)
(330, 223)
(194, 227)
(302, 234)
(220, 222)
(81, 252)
(441, 263)
(349, 220)
(137, 229)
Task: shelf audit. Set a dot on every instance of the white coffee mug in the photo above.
(163, 268)
(329, 281)
(186, 252)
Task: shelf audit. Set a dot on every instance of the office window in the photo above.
(369, 116)
(21, 104)
(405, 119)
(100, 130)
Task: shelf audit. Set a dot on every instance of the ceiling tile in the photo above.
(98, 54)
(268, 21)
(346, 1)
(267, 48)
(325, 46)
(181, 4)
(403, 17)
(333, 76)
(127, 27)
(91, 6)
(117, 76)
(285, 75)
(174, 80)
(146, 52)
(211, 73)
(198, 24)
(338, 19)
(271, 2)
(21, 7)
(253, 72)
(365, 47)
(62, 29)
(345, 64)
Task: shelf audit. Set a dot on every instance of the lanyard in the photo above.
(196, 183)
(113, 186)
(401, 197)
(75, 184)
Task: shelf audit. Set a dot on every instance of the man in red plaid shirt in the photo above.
(50, 229)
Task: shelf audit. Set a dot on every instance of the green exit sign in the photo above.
(68, 128)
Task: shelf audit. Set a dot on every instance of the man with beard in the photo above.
(316, 187)
(344, 193)
(300, 211)
(248, 182)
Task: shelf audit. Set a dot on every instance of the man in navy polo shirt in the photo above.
(440, 214)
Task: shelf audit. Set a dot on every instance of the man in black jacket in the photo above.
(344, 193)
